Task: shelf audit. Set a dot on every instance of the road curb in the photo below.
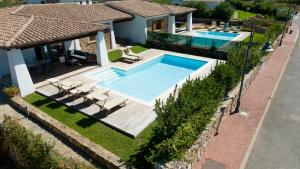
(246, 157)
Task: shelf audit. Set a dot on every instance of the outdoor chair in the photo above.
(129, 52)
(96, 95)
(80, 55)
(109, 105)
(128, 57)
(213, 26)
(82, 91)
(67, 86)
(64, 86)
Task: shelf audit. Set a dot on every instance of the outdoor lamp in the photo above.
(268, 45)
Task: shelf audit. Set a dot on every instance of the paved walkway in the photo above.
(60, 147)
(230, 146)
(278, 143)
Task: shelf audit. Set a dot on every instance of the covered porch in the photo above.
(30, 65)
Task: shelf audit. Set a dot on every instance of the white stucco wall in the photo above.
(171, 24)
(4, 67)
(101, 50)
(19, 72)
(135, 30)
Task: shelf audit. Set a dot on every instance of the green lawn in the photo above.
(114, 55)
(244, 14)
(118, 143)
(258, 38)
(138, 49)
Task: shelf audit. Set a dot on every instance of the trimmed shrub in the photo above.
(283, 14)
(223, 11)
(11, 91)
(31, 151)
(202, 8)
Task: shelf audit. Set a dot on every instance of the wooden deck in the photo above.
(131, 119)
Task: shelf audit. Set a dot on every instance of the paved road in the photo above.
(278, 143)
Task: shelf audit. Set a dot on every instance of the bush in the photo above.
(223, 11)
(283, 14)
(226, 75)
(31, 151)
(186, 113)
(11, 91)
(202, 8)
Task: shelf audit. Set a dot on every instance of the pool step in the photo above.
(108, 75)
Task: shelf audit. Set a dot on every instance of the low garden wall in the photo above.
(195, 152)
(93, 150)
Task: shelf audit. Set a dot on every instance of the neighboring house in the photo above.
(210, 3)
(148, 16)
(30, 33)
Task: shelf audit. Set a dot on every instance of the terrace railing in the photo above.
(188, 44)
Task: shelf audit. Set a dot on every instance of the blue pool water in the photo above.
(212, 38)
(147, 81)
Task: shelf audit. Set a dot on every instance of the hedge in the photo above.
(31, 151)
(186, 113)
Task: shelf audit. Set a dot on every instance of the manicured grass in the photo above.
(244, 14)
(114, 55)
(258, 38)
(138, 49)
(116, 142)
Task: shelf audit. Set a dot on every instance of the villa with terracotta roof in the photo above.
(34, 34)
(148, 16)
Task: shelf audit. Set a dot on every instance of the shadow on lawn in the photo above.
(42, 102)
(86, 122)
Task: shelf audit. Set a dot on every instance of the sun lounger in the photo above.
(82, 90)
(55, 82)
(108, 105)
(97, 95)
(64, 86)
(128, 57)
(129, 52)
(213, 26)
(218, 29)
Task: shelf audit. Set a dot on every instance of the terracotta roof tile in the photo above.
(36, 24)
(83, 13)
(148, 9)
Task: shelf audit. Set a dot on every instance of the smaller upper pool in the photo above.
(218, 35)
(212, 38)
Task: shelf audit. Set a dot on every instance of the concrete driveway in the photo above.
(278, 143)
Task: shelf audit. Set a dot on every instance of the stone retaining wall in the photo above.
(93, 150)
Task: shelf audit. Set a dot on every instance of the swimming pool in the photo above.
(212, 38)
(149, 80)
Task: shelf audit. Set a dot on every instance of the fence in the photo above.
(212, 48)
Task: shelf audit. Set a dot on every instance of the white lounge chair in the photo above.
(108, 105)
(98, 94)
(128, 57)
(129, 52)
(82, 90)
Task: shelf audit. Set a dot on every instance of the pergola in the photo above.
(19, 32)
